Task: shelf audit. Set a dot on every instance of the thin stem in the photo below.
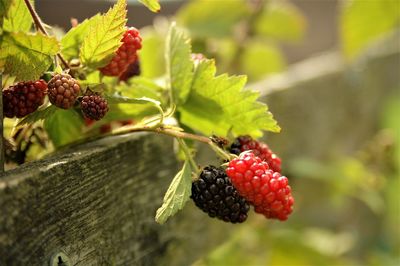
(188, 155)
(39, 25)
(1, 129)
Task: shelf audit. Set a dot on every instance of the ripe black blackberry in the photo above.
(63, 90)
(23, 98)
(214, 193)
(94, 106)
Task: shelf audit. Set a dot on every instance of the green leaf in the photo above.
(104, 37)
(282, 21)
(179, 64)
(363, 21)
(72, 40)
(114, 99)
(152, 5)
(40, 114)
(4, 7)
(177, 194)
(212, 18)
(64, 126)
(218, 104)
(18, 17)
(152, 59)
(254, 56)
(26, 56)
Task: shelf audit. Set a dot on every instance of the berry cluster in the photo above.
(126, 54)
(267, 190)
(214, 194)
(260, 149)
(23, 98)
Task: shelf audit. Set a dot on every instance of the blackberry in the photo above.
(126, 53)
(94, 106)
(214, 193)
(260, 149)
(63, 90)
(23, 98)
(267, 190)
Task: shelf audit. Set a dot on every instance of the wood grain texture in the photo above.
(96, 203)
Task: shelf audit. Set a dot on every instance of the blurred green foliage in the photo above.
(346, 211)
(364, 21)
(243, 36)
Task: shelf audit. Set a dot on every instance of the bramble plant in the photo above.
(92, 74)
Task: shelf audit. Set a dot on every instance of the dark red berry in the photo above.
(63, 90)
(126, 53)
(214, 194)
(23, 98)
(132, 70)
(260, 149)
(267, 190)
(94, 106)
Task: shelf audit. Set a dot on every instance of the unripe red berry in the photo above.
(63, 90)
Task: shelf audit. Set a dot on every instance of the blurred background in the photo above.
(329, 71)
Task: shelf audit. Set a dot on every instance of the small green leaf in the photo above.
(363, 21)
(282, 21)
(177, 194)
(26, 56)
(18, 17)
(179, 64)
(72, 40)
(152, 5)
(225, 105)
(64, 126)
(40, 114)
(104, 37)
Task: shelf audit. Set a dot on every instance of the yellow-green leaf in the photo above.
(152, 5)
(26, 56)
(72, 40)
(179, 64)
(104, 38)
(218, 104)
(18, 17)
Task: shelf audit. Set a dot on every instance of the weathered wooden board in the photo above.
(96, 204)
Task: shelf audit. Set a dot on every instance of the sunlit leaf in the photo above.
(104, 38)
(18, 17)
(218, 104)
(26, 56)
(72, 40)
(179, 64)
(152, 5)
